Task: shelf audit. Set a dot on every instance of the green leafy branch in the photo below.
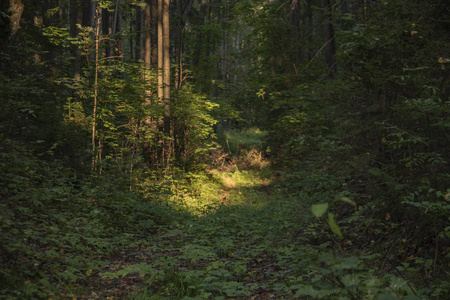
(320, 209)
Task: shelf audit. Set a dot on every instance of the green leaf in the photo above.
(347, 200)
(333, 226)
(319, 209)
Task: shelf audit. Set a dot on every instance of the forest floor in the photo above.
(240, 245)
(246, 236)
(238, 231)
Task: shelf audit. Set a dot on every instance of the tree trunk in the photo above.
(166, 83)
(201, 36)
(94, 114)
(146, 36)
(297, 22)
(160, 52)
(117, 27)
(88, 12)
(106, 31)
(138, 26)
(179, 62)
(38, 22)
(224, 45)
(16, 9)
(310, 30)
(154, 33)
(78, 20)
(330, 44)
(179, 47)
(182, 12)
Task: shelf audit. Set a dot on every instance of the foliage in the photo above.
(56, 227)
(235, 141)
(355, 202)
(193, 126)
(375, 134)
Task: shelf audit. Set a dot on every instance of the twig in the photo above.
(318, 52)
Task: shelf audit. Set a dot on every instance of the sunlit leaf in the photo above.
(347, 200)
(333, 226)
(319, 209)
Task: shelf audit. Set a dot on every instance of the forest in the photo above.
(225, 149)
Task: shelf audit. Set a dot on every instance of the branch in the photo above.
(318, 52)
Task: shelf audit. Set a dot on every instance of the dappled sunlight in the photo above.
(236, 140)
(237, 178)
(222, 188)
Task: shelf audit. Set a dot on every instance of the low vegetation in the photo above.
(233, 231)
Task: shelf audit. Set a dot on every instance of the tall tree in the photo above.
(160, 51)
(166, 80)
(330, 43)
(96, 95)
(11, 13)
(147, 51)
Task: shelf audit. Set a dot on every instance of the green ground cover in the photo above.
(236, 231)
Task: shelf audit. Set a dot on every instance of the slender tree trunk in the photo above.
(147, 55)
(159, 156)
(310, 29)
(330, 45)
(137, 41)
(224, 46)
(38, 22)
(94, 114)
(154, 36)
(179, 63)
(78, 21)
(166, 58)
(61, 14)
(178, 46)
(201, 35)
(121, 45)
(166, 84)
(106, 31)
(160, 52)
(151, 125)
(116, 27)
(182, 12)
(296, 21)
(93, 12)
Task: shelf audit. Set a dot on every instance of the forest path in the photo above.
(241, 249)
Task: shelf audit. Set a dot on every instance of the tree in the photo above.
(10, 20)
(166, 80)
(330, 44)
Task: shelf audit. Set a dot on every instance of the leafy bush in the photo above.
(56, 226)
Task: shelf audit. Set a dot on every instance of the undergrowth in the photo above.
(230, 232)
(57, 227)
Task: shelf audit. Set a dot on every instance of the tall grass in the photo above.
(234, 140)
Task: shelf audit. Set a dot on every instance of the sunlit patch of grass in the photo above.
(235, 182)
(237, 178)
(205, 194)
(235, 140)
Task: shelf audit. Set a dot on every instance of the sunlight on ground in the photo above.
(236, 181)
(222, 188)
(248, 138)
